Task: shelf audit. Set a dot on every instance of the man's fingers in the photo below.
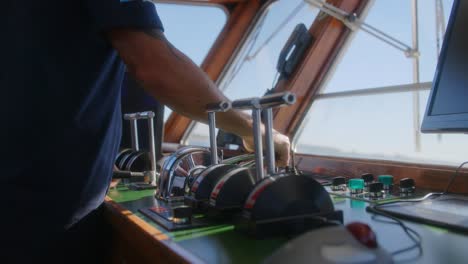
(282, 162)
(282, 148)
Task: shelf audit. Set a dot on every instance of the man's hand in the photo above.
(282, 148)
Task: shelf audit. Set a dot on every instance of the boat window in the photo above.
(373, 102)
(193, 29)
(254, 68)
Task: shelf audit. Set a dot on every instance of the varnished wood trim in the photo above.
(152, 244)
(329, 35)
(425, 176)
(238, 23)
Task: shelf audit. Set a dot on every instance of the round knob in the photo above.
(375, 190)
(339, 183)
(368, 178)
(407, 185)
(356, 186)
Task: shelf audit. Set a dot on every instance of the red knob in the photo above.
(363, 233)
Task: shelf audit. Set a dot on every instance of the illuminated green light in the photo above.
(386, 179)
(355, 184)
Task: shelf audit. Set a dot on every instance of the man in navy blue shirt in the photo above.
(62, 67)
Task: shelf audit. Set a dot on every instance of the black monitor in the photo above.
(447, 108)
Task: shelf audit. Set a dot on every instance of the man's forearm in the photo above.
(173, 78)
(177, 82)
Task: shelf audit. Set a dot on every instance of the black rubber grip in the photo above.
(247, 103)
(277, 99)
(126, 174)
(121, 174)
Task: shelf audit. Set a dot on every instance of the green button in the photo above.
(386, 179)
(355, 184)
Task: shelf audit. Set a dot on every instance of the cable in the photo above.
(427, 196)
(411, 233)
(457, 171)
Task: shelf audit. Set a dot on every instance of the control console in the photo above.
(368, 189)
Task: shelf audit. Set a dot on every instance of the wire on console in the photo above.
(457, 171)
(425, 197)
(411, 233)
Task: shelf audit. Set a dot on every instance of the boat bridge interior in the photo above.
(372, 95)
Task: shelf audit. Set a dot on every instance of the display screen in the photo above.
(451, 88)
(447, 108)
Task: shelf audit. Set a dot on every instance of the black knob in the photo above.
(367, 177)
(407, 186)
(337, 181)
(182, 212)
(375, 187)
(338, 184)
(407, 183)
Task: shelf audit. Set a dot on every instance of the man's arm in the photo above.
(172, 78)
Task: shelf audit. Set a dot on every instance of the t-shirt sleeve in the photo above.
(111, 14)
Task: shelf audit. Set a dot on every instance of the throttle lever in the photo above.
(222, 106)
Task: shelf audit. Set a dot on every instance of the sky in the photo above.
(369, 126)
(381, 126)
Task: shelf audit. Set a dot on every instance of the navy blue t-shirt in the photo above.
(60, 85)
